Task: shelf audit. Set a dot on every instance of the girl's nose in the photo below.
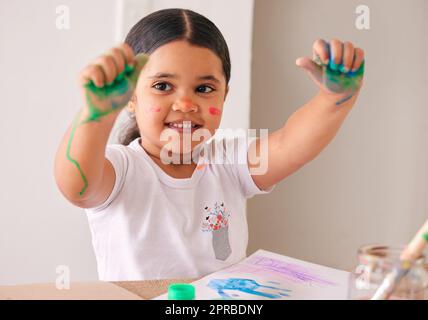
(184, 105)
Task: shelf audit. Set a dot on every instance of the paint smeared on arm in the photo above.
(73, 161)
(338, 103)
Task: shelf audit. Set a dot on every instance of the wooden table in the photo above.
(149, 289)
(146, 289)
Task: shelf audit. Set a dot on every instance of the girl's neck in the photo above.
(180, 170)
(154, 152)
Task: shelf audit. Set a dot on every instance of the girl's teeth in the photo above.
(183, 125)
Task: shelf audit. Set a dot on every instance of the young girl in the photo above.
(154, 218)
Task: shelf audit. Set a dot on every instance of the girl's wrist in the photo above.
(88, 114)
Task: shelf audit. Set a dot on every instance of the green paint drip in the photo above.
(73, 130)
(118, 88)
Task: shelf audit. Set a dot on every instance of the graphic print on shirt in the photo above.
(216, 221)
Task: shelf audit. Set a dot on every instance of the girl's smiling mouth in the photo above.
(183, 125)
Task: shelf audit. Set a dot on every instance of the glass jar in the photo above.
(375, 263)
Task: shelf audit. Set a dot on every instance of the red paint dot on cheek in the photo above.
(155, 109)
(214, 111)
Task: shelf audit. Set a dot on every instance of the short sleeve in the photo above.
(117, 157)
(247, 184)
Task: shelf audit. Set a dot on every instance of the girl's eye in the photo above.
(202, 89)
(162, 86)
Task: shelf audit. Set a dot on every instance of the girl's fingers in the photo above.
(128, 53)
(348, 57)
(118, 59)
(336, 54)
(92, 73)
(320, 49)
(358, 59)
(108, 66)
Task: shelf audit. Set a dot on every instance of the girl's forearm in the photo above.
(312, 127)
(79, 161)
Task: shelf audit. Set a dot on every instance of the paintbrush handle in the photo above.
(412, 252)
(416, 247)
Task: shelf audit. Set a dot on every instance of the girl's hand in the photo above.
(109, 82)
(337, 68)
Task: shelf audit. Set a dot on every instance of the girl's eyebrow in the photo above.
(163, 75)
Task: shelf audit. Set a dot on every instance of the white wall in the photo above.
(39, 230)
(370, 185)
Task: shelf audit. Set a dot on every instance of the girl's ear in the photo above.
(132, 103)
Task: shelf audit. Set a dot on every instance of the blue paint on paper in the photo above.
(248, 286)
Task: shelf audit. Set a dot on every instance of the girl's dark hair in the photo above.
(164, 26)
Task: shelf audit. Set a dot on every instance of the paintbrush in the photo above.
(412, 252)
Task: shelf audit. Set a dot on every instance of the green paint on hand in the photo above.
(339, 82)
(118, 88)
(426, 237)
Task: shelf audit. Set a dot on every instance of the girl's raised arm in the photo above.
(83, 174)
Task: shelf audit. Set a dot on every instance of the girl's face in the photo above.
(180, 83)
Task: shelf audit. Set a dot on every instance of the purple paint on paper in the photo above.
(277, 268)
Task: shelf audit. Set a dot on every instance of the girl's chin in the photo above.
(181, 147)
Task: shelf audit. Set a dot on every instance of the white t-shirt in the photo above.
(154, 226)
